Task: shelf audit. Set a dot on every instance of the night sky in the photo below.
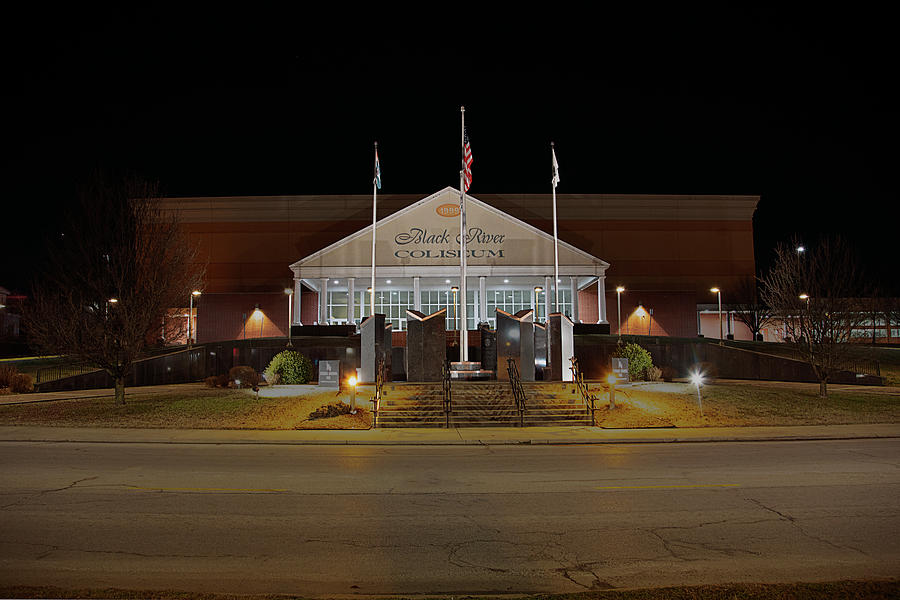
(800, 109)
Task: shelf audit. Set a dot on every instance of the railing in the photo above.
(60, 371)
(515, 381)
(590, 400)
(448, 391)
(379, 390)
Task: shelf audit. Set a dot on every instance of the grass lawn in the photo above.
(725, 404)
(836, 590)
(747, 403)
(196, 407)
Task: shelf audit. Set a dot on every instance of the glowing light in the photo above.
(352, 381)
(714, 290)
(257, 314)
(288, 291)
(506, 281)
(196, 293)
(114, 300)
(611, 379)
(804, 296)
(696, 379)
(620, 289)
(538, 289)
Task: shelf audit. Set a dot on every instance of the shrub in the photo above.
(330, 410)
(245, 375)
(639, 360)
(222, 380)
(6, 374)
(21, 383)
(669, 373)
(211, 381)
(653, 373)
(293, 367)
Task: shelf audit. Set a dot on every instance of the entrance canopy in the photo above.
(417, 250)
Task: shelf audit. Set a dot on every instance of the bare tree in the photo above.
(817, 294)
(748, 308)
(113, 272)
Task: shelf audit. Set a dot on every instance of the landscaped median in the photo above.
(675, 404)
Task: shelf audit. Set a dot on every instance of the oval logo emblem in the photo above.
(448, 210)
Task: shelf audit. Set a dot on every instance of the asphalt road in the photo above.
(326, 520)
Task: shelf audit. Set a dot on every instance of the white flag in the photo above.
(555, 169)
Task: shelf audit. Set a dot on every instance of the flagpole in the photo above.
(463, 325)
(374, 203)
(555, 237)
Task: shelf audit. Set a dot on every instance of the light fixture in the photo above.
(387, 281)
(288, 291)
(114, 300)
(195, 293)
(804, 296)
(335, 281)
(506, 281)
(620, 289)
(446, 281)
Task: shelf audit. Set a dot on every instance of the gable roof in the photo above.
(422, 239)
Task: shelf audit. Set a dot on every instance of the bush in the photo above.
(247, 376)
(639, 360)
(669, 373)
(7, 372)
(211, 381)
(330, 410)
(653, 373)
(21, 383)
(222, 380)
(293, 368)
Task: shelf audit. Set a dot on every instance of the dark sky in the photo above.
(800, 109)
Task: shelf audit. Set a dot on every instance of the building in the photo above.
(666, 251)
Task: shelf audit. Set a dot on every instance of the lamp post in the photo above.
(290, 296)
(537, 290)
(800, 249)
(352, 382)
(455, 289)
(191, 318)
(619, 291)
(697, 379)
(718, 293)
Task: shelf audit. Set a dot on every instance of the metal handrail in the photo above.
(515, 381)
(379, 390)
(54, 372)
(589, 399)
(448, 391)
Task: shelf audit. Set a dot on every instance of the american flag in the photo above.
(467, 160)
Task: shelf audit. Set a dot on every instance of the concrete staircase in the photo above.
(479, 404)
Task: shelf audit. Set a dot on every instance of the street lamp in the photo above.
(619, 291)
(718, 293)
(537, 290)
(800, 249)
(191, 317)
(455, 289)
(290, 296)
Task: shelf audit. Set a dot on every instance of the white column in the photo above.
(482, 299)
(323, 301)
(417, 294)
(601, 299)
(573, 284)
(548, 298)
(351, 299)
(298, 304)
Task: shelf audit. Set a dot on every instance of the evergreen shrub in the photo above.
(639, 360)
(292, 367)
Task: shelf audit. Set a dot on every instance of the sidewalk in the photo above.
(447, 437)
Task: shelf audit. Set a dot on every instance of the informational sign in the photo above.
(620, 368)
(330, 373)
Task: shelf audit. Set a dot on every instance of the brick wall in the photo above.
(233, 316)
